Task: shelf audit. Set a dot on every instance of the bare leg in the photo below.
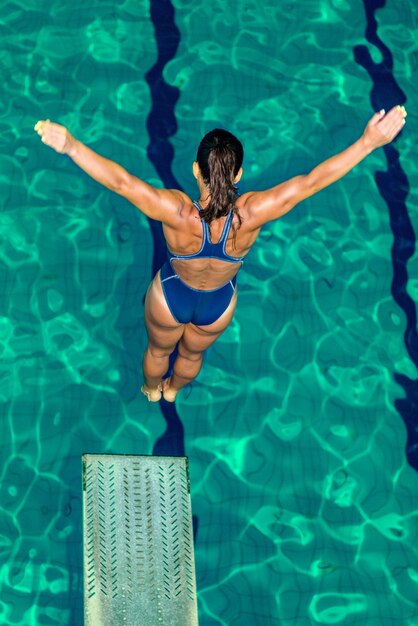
(163, 334)
(193, 343)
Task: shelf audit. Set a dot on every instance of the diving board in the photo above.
(138, 541)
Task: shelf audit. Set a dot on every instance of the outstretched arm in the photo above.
(159, 204)
(272, 203)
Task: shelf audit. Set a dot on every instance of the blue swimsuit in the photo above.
(199, 306)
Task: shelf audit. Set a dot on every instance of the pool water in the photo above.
(301, 428)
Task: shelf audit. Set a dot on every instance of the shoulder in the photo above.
(163, 205)
(180, 212)
(183, 206)
(247, 207)
(260, 207)
(180, 199)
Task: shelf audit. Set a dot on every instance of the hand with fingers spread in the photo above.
(384, 127)
(105, 171)
(55, 136)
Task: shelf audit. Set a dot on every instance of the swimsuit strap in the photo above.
(226, 228)
(204, 226)
(209, 249)
(206, 230)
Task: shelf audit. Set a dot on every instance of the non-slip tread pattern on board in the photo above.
(138, 542)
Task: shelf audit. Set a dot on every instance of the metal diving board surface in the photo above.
(138, 541)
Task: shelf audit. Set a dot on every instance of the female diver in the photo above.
(192, 299)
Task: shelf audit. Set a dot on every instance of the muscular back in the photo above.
(184, 235)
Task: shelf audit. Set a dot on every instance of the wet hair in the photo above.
(220, 155)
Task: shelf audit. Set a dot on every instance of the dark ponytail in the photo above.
(220, 157)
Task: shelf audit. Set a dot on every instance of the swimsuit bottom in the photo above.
(199, 306)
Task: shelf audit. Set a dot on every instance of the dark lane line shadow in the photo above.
(394, 188)
(162, 125)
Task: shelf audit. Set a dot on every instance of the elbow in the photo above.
(311, 184)
(306, 185)
(122, 184)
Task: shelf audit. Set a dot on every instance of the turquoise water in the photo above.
(306, 505)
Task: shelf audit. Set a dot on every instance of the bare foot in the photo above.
(169, 394)
(153, 395)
